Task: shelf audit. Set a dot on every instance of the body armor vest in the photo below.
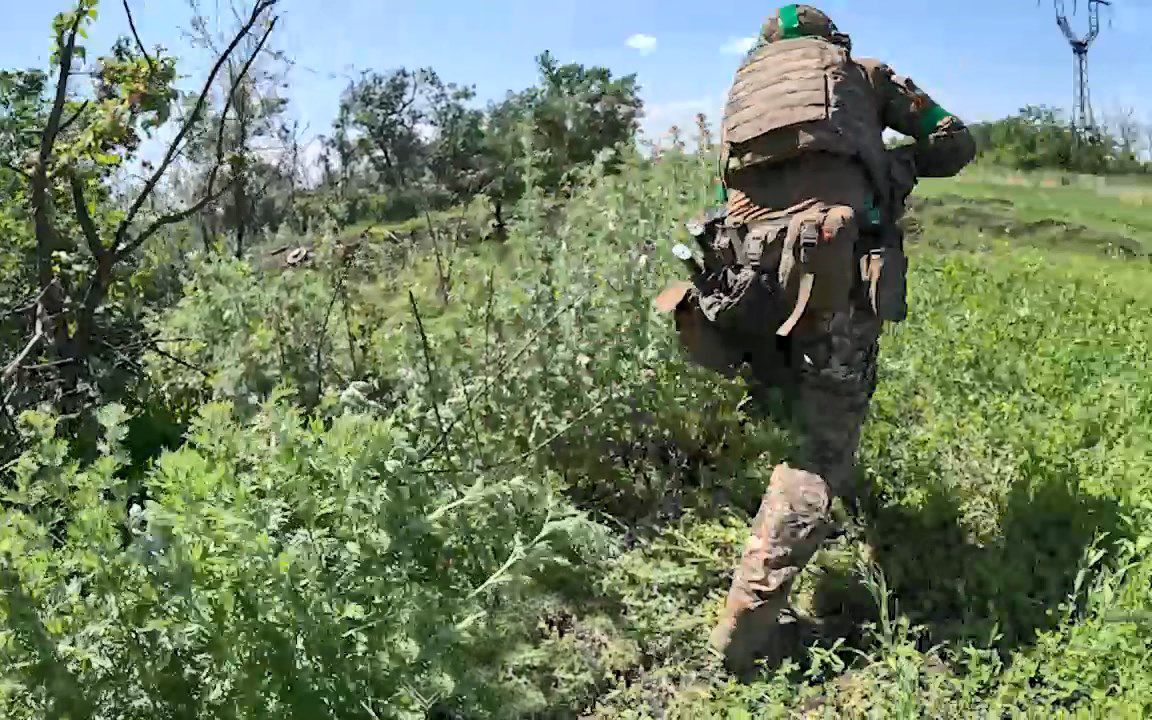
(797, 97)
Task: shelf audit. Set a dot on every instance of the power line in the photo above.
(1082, 119)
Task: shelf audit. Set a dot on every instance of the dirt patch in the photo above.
(951, 201)
(995, 216)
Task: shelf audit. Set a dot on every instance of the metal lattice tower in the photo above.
(1082, 120)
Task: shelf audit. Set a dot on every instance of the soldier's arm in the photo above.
(943, 143)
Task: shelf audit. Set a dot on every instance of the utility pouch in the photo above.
(816, 267)
(762, 244)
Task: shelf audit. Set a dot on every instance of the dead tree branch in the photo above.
(11, 368)
(172, 218)
(211, 194)
(121, 238)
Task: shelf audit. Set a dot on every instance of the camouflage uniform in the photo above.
(833, 345)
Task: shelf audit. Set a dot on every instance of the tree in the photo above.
(84, 248)
(256, 134)
(456, 143)
(579, 111)
(383, 115)
(568, 119)
(409, 132)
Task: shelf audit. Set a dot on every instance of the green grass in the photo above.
(1048, 214)
(999, 568)
(1010, 456)
(1009, 453)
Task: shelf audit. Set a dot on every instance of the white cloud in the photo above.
(738, 46)
(642, 43)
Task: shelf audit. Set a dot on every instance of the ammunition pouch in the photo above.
(760, 280)
(722, 316)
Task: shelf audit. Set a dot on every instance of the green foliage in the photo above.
(61, 144)
(1038, 137)
(415, 135)
(570, 117)
(422, 475)
(276, 567)
(409, 132)
(22, 112)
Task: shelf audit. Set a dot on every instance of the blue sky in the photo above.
(980, 59)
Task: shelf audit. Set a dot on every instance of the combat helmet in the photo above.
(793, 21)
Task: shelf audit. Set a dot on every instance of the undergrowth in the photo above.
(462, 480)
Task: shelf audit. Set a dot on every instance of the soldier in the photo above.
(807, 265)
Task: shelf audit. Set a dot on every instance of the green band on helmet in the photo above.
(790, 23)
(931, 117)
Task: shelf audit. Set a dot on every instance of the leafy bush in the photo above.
(270, 568)
(1005, 562)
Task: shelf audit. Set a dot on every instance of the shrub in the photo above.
(270, 568)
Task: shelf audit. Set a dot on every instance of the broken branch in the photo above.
(11, 368)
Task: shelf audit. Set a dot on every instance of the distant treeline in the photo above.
(1040, 137)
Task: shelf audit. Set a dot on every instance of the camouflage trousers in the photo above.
(835, 360)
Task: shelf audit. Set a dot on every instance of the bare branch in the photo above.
(75, 116)
(39, 182)
(91, 234)
(11, 368)
(171, 219)
(135, 34)
(235, 84)
(52, 128)
(189, 122)
(211, 194)
(429, 366)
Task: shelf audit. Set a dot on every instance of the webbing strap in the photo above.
(721, 190)
(875, 267)
(720, 193)
(802, 299)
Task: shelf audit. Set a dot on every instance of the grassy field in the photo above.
(1041, 210)
(1001, 567)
